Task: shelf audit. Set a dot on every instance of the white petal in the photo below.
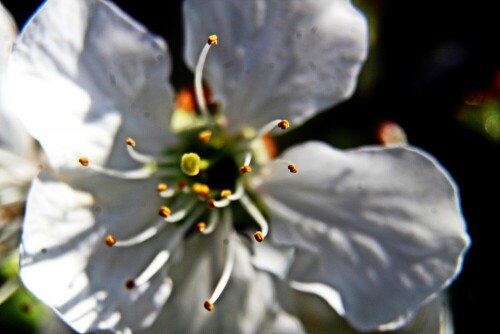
(8, 33)
(277, 59)
(65, 262)
(82, 74)
(13, 135)
(383, 227)
(246, 304)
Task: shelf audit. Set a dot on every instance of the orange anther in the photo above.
(245, 169)
(110, 240)
(225, 193)
(161, 187)
(200, 227)
(84, 161)
(208, 306)
(259, 237)
(165, 211)
(205, 135)
(212, 40)
(292, 168)
(284, 124)
(130, 142)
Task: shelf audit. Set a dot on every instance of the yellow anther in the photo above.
(190, 164)
(259, 237)
(129, 284)
(161, 187)
(292, 168)
(200, 227)
(284, 124)
(208, 305)
(226, 193)
(245, 169)
(201, 189)
(110, 240)
(212, 40)
(84, 161)
(211, 203)
(165, 211)
(205, 135)
(130, 142)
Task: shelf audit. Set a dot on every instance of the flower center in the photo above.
(203, 179)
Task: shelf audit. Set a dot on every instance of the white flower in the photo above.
(376, 232)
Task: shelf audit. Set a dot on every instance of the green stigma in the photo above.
(190, 164)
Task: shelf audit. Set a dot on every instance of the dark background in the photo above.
(427, 61)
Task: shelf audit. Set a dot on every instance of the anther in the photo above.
(130, 142)
(190, 164)
(225, 193)
(212, 40)
(208, 306)
(200, 227)
(84, 161)
(181, 185)
(110, 240)
(161, 187)
(205, 136)
(245, 169)
(259, 237)
(129, 284)
(292, 168)
(211, 203)
(201, 189)
(165, 211)
(284, 124)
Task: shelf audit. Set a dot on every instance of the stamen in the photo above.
(157, 227)
(200, 99)
(245, 168)
(181, 214)
(158, 262)
(228, 266)
(212, 203)
(165, 211)
(110, 240)
(139, 157)
(190, 164)
(205, 136)
(282, 124)
(255, 213)
(144, 172)
(213, 220)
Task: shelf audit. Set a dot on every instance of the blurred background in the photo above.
(433, 69)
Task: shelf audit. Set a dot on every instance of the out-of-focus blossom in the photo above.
(140, 227)
(17, 153)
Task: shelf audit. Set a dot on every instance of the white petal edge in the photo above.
(382, 227)
(84, 76)
(277, 59)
